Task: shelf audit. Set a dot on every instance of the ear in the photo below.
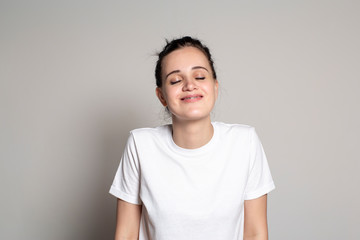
(160, 96)
(216, 88)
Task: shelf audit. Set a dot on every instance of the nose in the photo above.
(189, 84)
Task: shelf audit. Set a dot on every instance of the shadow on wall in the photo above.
(101, 213)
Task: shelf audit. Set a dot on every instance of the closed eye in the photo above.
(200, 78)
(174, 82)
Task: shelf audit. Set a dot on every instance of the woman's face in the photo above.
(188, 88)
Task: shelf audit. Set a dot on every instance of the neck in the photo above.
(192, 134)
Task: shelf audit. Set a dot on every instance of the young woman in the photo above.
(194, 178)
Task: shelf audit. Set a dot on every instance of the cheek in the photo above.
(211, 89)
(170, 93)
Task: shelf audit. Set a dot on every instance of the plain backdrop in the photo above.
(77, 76)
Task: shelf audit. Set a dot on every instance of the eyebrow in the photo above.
(193, 68)
(176, 71)
(200, 67)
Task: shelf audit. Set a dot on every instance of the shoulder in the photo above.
(150, 130)
(234, 128)
(140, 134)
(147, 141)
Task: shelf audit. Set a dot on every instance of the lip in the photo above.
(192, 98)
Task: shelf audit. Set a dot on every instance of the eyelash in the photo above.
(175, 82)
(197, 78)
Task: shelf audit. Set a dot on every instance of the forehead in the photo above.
(185, 58)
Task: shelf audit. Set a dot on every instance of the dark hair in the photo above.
(179, 43)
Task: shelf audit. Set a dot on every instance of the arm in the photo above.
(255, 219)
(127, 221)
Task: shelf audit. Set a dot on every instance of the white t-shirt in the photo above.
(195, 194)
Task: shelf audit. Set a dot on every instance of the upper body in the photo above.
(193, 179)
(192, 193)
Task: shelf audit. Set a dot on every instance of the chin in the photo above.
(191, 114)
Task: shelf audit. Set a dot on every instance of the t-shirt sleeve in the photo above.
(126, 184)
(260, 181)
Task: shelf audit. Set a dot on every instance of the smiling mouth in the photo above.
(192, 98)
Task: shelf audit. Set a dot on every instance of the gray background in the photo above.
(76, 76)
